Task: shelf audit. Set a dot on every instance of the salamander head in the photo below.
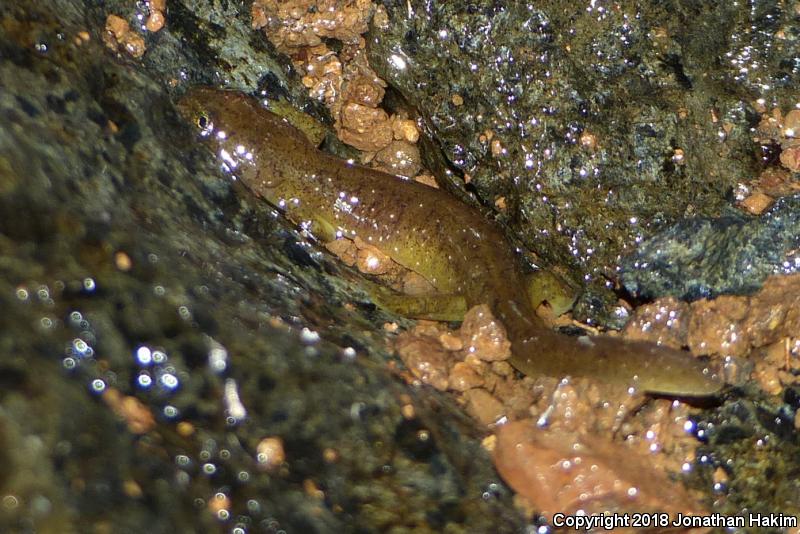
(206, 109)
(250, 141)
(226, 121)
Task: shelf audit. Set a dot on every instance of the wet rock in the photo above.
(751, 440)
(464, 377)
(663, 322)
(365, 128)
(565, 474)
(484, 336)
(698, 258)
(714, 327)
(399, 157)
(167, 361)
(483, 406)
(299, 23)
(118, 34)
(425, 358)
(756, 203)
(598, 125)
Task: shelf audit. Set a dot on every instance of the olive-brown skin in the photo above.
(428, 231)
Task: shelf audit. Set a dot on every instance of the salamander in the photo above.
(465, 257)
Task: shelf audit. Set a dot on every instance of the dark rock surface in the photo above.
(129, 263)
(759, 479)
(699, 258)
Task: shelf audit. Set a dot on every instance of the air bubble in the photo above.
(209, 468)
(169, 381)
(144, 356)
(98, 385)
(144, 380)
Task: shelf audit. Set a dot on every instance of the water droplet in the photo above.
(217, 356)
(309, 336)
(169, 381)
(80, 347)
(397, 62)
(253, 506)
(144, 380)
(209, 468)
(144, 356)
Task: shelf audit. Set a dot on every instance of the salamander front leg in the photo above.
(544, 286)
(433, 307)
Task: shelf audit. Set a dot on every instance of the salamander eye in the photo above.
(204, 123)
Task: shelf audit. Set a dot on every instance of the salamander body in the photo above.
(454, 247)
